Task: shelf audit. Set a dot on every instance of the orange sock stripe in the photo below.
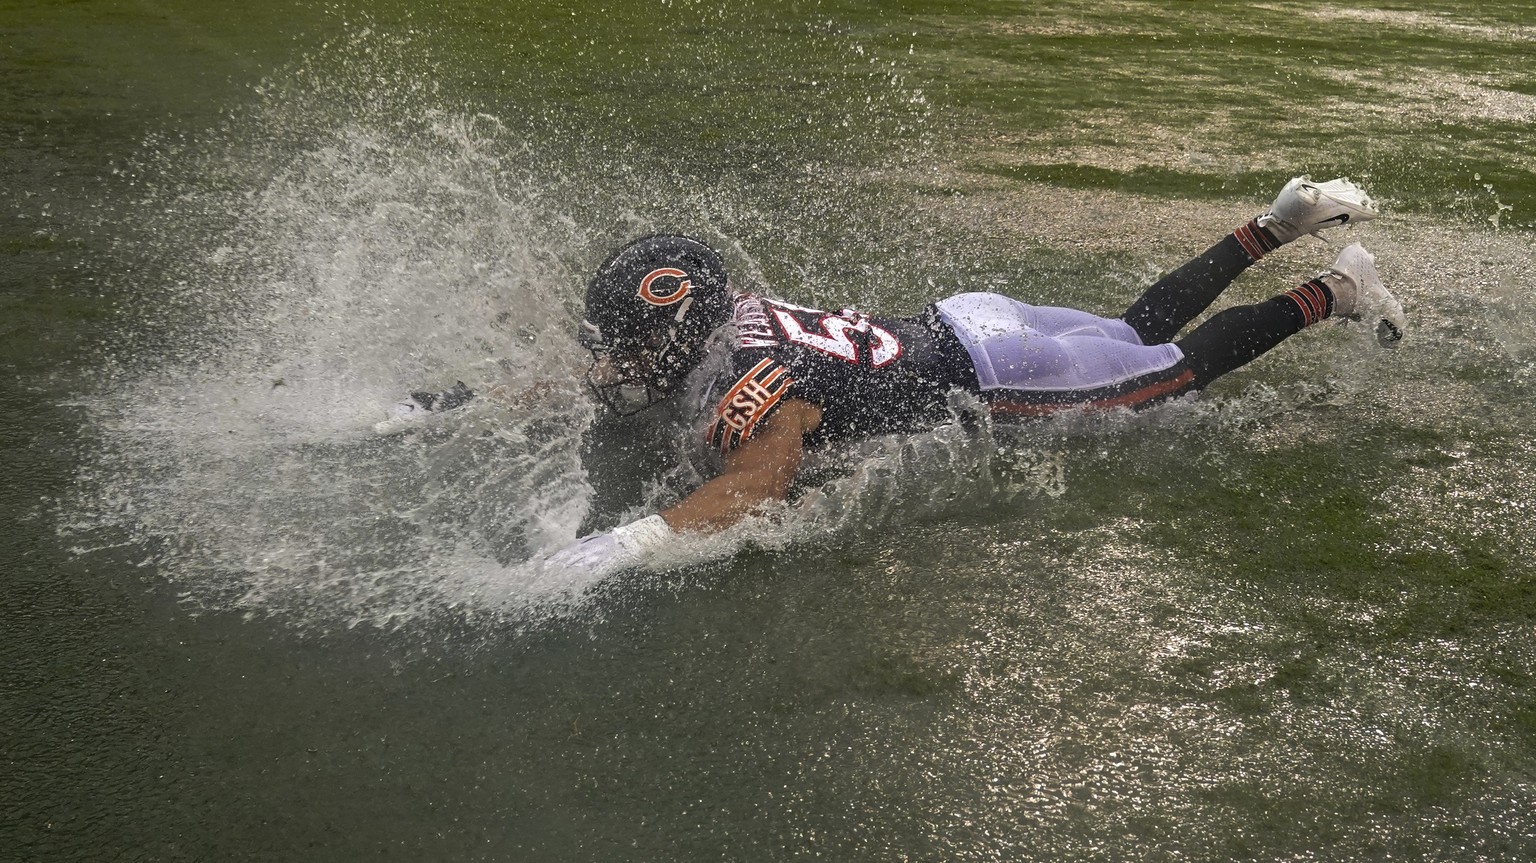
(1256, 241)
(1249, 242)
(1314, 299)
(1323, 296)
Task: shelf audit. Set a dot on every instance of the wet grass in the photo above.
(1143, 180)
(1201, 100)
(1164, 100)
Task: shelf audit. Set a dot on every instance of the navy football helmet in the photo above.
(650, 309)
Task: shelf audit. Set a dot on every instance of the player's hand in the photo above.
(598, 554)
(625, 547)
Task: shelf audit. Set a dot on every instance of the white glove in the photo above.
(624, 547)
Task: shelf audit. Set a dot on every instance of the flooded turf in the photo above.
(1291, 620)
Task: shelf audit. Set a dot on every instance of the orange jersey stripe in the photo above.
(746, 432)
(1131, 399)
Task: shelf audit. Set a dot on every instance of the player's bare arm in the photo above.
(758, 471)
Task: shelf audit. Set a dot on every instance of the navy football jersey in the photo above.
(868, 375)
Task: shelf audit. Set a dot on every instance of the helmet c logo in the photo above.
(664, 297)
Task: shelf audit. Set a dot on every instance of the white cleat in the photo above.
(1358, 294)
(1305, 207)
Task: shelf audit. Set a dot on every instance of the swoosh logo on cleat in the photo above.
(1342, 218)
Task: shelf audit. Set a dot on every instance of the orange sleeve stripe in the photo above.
(776, 376)
(746, 432)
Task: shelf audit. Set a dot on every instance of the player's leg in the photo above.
(1236, 336)
(1022, 371)
(1032, 361)
(1059, 321)
(1302, 207)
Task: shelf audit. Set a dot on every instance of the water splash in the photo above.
(352, 237)
(369, 242)
(301, 284)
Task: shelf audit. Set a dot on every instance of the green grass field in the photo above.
(1293, 621)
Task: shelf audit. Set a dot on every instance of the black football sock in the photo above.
(1177, 298)
(1234, 337)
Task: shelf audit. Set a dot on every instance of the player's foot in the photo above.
(1358, 294)
(1305, 207)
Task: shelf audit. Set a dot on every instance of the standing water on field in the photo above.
(362, 246)
(1291, 619)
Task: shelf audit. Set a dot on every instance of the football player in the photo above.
(795, 377)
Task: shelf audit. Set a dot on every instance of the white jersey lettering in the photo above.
(833, 340)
